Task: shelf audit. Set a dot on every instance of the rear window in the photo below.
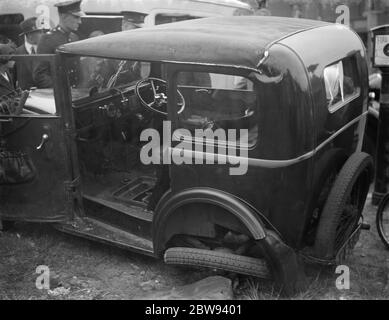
(342, 83)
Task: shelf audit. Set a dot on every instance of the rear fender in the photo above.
(168, 211)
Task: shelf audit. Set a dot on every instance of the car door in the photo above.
(39, 133)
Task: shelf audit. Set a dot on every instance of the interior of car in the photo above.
(109, 122)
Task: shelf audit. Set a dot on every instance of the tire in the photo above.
(382, 220)
(343, 208)
(217, 260)
(328, 167)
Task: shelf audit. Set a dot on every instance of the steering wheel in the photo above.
(152, 95)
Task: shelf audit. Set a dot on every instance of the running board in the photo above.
(218, 260)
(130, 219)
(99, 231)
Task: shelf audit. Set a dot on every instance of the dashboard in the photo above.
(115, 114)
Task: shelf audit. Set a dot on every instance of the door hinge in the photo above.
(72, 189)
(74, 197)
(70, 132)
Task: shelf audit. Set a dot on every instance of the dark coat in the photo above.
(48, 45)
(6, 87)
(24, 70)
(95, 72)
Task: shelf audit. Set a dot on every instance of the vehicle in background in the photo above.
(157, 11)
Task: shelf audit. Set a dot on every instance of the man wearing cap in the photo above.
(133, 20)
(128, 71)
(69, 21)
(32, 33)
(262, 9)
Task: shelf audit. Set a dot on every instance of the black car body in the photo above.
(305, 110)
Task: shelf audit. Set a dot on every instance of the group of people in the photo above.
(28, 73)
(84, 72)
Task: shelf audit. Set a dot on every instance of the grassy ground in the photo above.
(369, 273)
(81, 269)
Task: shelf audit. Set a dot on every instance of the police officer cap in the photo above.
(30, 25)
(136, 18)
(73, 7)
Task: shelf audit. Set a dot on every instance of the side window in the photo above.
(219, 101)
(20, 96)
(342, 83)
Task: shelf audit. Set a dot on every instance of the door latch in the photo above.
(45, 138)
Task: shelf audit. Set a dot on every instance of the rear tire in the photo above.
(343, 208)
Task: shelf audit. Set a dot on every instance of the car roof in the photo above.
(226, 41)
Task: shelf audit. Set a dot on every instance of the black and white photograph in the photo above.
(213, 152)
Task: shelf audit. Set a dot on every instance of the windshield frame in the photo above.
(119, 89)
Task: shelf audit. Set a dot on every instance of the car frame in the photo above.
(307, 181)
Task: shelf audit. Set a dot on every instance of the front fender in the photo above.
(173, 201)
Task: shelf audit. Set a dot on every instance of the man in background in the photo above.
(7, 84)
(129, 71)
(69, 21)
(133, 20)
(32, 34)
(262, 9)
(95, 72)
(6, 40)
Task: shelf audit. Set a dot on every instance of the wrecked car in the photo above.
(238, 147)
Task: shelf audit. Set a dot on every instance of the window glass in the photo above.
(218, 101)
(21, 93)
(99, 75)
(341, 83)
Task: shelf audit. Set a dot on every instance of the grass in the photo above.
(104, 272)
(364, 286)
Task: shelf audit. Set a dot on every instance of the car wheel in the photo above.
(382, 220)
(343, 208)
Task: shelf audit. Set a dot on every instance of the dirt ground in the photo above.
(82, 269)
